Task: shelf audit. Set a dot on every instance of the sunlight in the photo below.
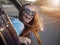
(31, 0)
(55, 3)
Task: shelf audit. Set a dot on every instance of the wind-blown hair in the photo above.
(36, 23)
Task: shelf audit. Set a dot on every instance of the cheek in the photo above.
(31, 18)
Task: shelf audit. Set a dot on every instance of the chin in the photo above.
(27, 21)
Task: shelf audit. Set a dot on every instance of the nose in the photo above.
(29, 16)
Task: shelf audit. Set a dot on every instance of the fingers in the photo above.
(25, 40)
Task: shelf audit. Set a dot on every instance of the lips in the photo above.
(26, 19)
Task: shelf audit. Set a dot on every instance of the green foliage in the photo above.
(4, 1)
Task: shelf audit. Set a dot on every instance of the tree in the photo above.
(4, 1)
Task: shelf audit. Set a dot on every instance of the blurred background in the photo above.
(49, 10)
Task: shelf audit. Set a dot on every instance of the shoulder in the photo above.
(16, 21)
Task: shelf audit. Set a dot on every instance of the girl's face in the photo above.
(28, 13)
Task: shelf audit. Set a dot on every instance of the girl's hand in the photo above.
(25, 40)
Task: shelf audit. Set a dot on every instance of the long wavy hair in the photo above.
(36, 24)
